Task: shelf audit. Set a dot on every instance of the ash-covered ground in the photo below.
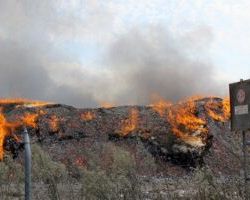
(160, 151)
(188, 137)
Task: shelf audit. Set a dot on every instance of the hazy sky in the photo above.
(83, 52)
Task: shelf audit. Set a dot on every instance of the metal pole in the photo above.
(244, 149)
(27, 165)
(244, 153)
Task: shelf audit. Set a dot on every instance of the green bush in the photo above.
(120, 181)
(11, 171)
(11, 174)
(44, 168)
(212, 187)
(145, 164)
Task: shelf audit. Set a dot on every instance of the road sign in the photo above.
(240, 105)
(240, 121)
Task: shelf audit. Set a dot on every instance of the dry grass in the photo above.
(116, 178)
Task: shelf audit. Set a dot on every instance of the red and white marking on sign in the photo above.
(241, 95)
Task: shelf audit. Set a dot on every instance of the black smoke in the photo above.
(150, 62)
(134, 66)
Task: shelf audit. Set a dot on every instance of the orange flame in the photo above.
(54, 123)
(42, 112)
(6, 129)
(130, 124)
(25, 102)
(107, 105)
(226, 108)
(30, 119)
(87, 116)
(161, 106)
(219, 111)
(185, 124)
(182, 117)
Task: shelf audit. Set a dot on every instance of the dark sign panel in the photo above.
(240, 105)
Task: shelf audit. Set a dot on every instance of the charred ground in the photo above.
(178, 136)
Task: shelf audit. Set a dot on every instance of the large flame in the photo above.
(6, 129)
(161, 106)
(25, 102)
(186, 124)
(218, 110)
(183, 117)
(131, 123)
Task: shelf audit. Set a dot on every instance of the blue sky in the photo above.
(84, 47)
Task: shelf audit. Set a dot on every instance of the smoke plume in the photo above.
(150, 63)
(134, 65)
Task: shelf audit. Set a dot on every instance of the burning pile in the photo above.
(129, 125)
(186, 121)
(8, 127)
(174, 131)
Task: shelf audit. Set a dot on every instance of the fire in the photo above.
(54, 123)
(6, 129)
(185, 124)
(25, 102)
(161, 106)
(219, 111)
(131, 123)
(107, 105)
(87, 116)
(226, 108)
(183, 118)
(42, 112)
(30, 119)
(184, 121)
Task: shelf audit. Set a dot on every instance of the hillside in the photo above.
(159, 140)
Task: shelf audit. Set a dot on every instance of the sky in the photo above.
(86, 52)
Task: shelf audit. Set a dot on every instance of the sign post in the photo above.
(240, 121)
(27, 165)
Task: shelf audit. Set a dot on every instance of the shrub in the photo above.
(118, 182)
(11, 173)
(45, 170)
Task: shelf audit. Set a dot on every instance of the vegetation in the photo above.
(112, 178)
